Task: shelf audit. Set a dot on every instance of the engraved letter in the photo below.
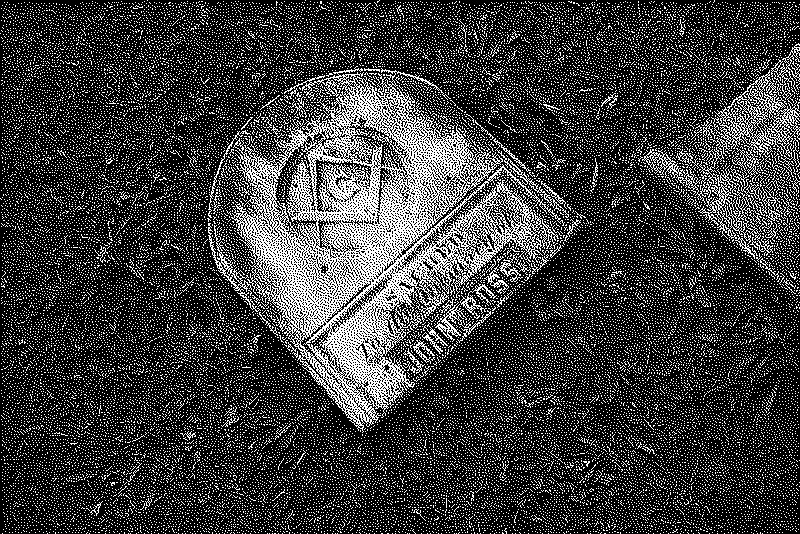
(472, 306)
(422, 353)
(486, 293)
(447, 331)
(497, 283)
(435, 343)
(510, 272)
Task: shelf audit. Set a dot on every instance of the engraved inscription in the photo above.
(445, 284)
(463, 312)
(439, 272)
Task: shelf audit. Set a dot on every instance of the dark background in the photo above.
(643, 382)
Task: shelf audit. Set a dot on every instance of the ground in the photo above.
(643, 382)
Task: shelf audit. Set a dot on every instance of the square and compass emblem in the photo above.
(344, 190)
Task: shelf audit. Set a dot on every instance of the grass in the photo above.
(648, 390)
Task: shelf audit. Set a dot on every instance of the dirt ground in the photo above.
(643, 382)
